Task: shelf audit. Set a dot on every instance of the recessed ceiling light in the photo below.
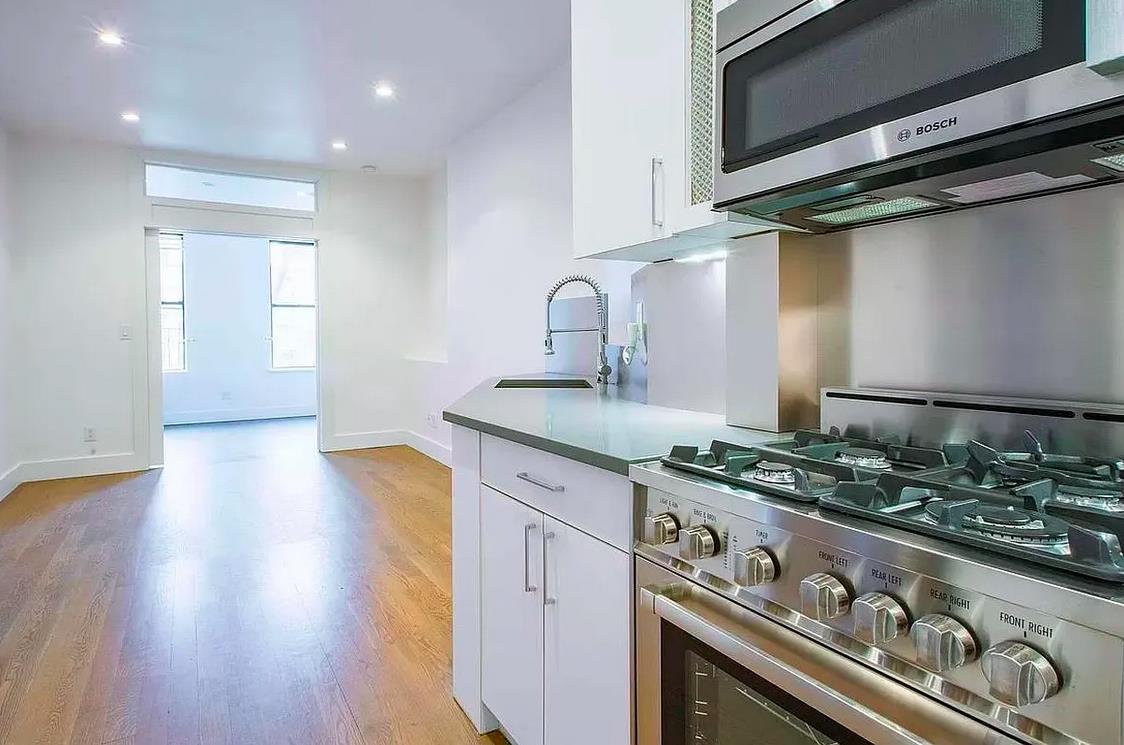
(208, 184)
(110, 38)
(368, 168)
(384, 89)
(339, 145)
(130, 116)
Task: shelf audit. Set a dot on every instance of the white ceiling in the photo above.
(275, 79)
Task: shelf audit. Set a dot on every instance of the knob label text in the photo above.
(839, 561)
(707, 516)
(953, 601)
(1023, 624)
(883, 576)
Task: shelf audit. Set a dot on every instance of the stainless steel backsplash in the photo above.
(1022, 299)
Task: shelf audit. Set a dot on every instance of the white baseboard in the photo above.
(389, 438)
(86, 465)
(9, 480)
(362, 440)
(98, 465)
(209, 416)
(443, 454)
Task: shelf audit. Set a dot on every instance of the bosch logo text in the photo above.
(925, 129)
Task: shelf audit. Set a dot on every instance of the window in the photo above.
(172, 182)
(292, 275)
(172, 338)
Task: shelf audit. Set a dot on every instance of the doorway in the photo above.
(237, 334)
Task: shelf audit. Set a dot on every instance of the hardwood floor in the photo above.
(253, 591)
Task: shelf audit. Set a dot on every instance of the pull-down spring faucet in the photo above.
(603, 368)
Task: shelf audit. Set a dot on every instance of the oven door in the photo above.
(834, 85)
(710, 671)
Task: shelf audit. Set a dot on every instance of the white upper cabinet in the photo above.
(643, 130)
(623, 104)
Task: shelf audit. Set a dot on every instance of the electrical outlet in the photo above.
(431, 420)
(226, 396)
(89, 434)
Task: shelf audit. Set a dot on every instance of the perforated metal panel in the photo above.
(1115, 162)
(868, 212)
(701, 148)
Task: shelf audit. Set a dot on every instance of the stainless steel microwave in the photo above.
(838, 113)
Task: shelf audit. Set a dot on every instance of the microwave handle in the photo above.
(744, 636)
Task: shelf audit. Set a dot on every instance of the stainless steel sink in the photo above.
(543, 383)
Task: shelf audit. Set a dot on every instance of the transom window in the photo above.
(176, 182)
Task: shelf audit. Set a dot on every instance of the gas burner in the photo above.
(774, 473)
(1105, 502)
(863, 458)
(1009, 524)
(770, 472)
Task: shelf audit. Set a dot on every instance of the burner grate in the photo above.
(778, 474)
(995, 521)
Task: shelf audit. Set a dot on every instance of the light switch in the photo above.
(126, 332)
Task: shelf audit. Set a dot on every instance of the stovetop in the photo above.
(1058, 511)
(966, 556)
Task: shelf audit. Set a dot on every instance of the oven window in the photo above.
(867, 62)
(708, 698)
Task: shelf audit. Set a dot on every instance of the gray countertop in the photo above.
(601, 429)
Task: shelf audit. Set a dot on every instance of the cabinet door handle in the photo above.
(527, 586)
(546, 599)
(539, 482)
(657, 170)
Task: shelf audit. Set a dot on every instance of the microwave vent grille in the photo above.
(1115, 162)
(877, 211)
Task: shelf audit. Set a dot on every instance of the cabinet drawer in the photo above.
(591, 499)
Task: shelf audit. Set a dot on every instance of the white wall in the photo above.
(373, 238)
(509, 239)
(79, 268)
(227, 312)
(79, 272)
(8, 451)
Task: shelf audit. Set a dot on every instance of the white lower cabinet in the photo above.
(556, 620)
(511, 600)
(586, 640)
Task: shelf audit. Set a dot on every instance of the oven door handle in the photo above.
(842, 689)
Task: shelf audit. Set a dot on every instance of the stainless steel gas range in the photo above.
(926, 569)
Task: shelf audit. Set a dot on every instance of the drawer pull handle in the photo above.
(539, 482)
(547, 538)
(527, 586)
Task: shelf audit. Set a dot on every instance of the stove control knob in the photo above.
(823, 597)
(943, 643)
(661, 529)
(1019, 675)
(879, 618)
(697, 542)
(753, 567)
